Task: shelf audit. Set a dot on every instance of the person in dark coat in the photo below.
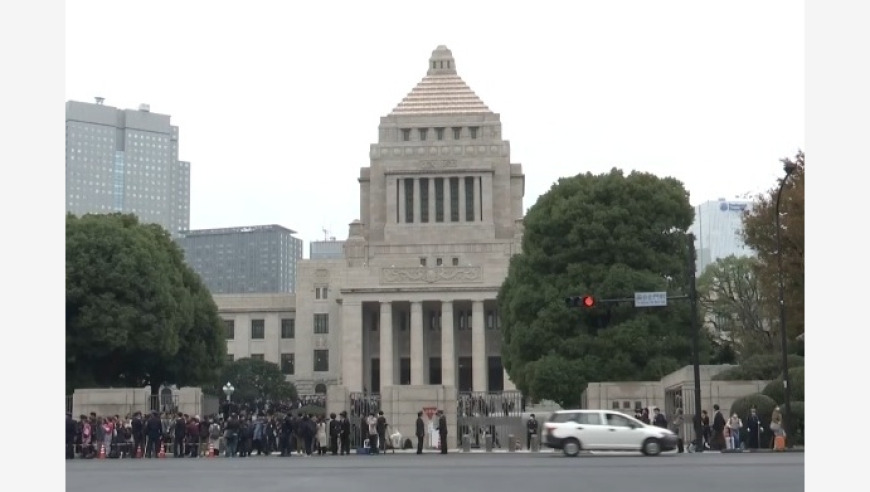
(334, 431)
(153, 434)
(753, 428)
(137, 428)
(71, 431)
(344, 433)
(718, 429)
(306, 432)
(286, 436)
(421, 431)
(442, 431)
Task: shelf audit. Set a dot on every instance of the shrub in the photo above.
(764, 406)
(797, 429)
(759, 367)
(775, 390)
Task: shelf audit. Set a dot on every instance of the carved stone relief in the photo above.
(422, 275)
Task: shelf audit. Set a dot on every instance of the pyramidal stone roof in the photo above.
(441, 91)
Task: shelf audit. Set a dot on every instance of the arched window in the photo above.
(320, 389)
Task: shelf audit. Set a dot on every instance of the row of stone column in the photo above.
(417, 202)
(448, 350)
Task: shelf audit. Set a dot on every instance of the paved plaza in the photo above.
(710, 472)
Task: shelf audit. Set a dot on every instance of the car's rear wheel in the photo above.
(571, 447)
(651, 447)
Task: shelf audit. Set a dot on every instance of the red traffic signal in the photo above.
(580, 301)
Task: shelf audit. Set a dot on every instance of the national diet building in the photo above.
(408, 317)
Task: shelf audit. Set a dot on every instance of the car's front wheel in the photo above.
(571, 447)
(651, 447)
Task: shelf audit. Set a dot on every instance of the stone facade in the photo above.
(440, 216)
(413, 300)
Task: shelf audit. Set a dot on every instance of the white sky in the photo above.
(278, 102)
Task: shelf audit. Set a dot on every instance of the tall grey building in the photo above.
(240, 260)
(718, 230)
(326, 250)
(125, 160)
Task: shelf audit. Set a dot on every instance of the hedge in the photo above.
(759, 367)
(775, 390)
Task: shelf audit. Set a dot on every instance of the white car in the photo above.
(604, 430)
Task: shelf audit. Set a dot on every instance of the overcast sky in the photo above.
(278, 102)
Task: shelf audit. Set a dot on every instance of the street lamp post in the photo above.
(228, 390)
(696, 364)
(789, 167)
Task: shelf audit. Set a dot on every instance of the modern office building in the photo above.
(408, 312)
(125, 160)
(240, 260)
(326, 250)
(718, 230)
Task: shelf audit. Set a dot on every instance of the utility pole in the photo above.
(696, 364)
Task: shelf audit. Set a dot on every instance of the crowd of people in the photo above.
(724, 433)
(159, 435)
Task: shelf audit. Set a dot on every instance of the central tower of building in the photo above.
(415, 294)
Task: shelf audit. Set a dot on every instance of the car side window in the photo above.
(589, 418)
(616, 420)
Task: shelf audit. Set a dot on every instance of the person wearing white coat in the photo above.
(322, 441)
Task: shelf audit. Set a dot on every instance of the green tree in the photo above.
(730, 296)
(135, 313)
(256, 379)
(760, 234)
(607, 235)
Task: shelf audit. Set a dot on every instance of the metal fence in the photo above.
(498, 414)
(361, 405)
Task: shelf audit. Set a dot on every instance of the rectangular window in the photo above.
(439, 133)
(258, 329)
(409, 200)
(398, 183)
(439, 199)
(472, 130)
(469, 199)
(321, 360)
(455, 261)
(288, 364)
(422, 261)
(438, 261)
(480, 194)
(424, 199)
(457, 132)
(406, 134)
(490, 320)
(454, 199)
(321, 324)
(405, 370)
(288, 328)
(434, 320)
(230, 329)
(258, 356)
(423, 132)
(320, 293)
(434, 370)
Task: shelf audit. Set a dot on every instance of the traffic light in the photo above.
(587, 302)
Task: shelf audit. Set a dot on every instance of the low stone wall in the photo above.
(126, 401)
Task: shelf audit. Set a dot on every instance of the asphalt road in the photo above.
(707, 472)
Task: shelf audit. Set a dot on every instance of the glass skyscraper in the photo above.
(718, 230)
(240, 260)
(125, 160)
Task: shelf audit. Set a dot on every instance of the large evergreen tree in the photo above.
(136, 314)
(609, 236)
